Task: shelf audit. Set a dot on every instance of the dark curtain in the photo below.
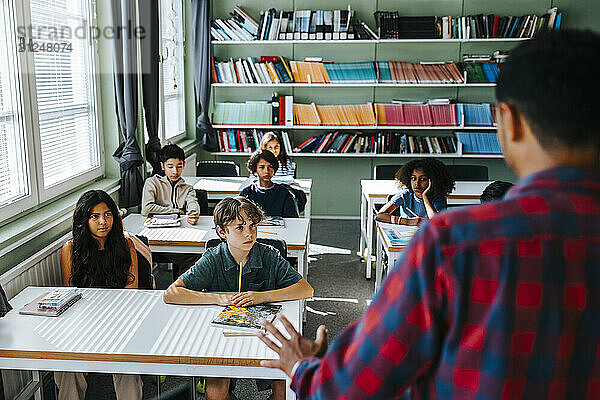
(128, 153)
(150, 45)
(202, 52)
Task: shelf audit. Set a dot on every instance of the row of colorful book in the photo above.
(291, 25)
(378, 143)
(433, 113)
(391, 25)
(277, 69)
(479, 143)
(247, 141)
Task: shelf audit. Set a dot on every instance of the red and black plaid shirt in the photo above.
(500, 300)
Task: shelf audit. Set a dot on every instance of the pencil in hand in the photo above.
(240, 279)
(412, 212)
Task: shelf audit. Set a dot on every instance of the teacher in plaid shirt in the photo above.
(502, 300)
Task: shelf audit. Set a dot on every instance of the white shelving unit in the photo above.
(358, 128)
(352, 85)
(378, 41)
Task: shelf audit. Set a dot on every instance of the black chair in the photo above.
(300, 197)
(278, 244)
(202, 197)
(469, 172)
(145, 277)
(217, 168)
(387, 172)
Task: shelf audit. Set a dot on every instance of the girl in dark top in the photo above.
(427, 182)
(99, 255)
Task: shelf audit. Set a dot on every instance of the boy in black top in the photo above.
(275, 199)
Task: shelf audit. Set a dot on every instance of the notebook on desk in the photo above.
(33, 308)
(174, 235)
(246, 318)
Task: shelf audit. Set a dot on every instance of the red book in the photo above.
(495, 29)
(213, 71)
(239, 141)
(237, 73)
(307, 141)
(281, 110)
(269, 58)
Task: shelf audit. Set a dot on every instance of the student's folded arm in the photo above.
(385, 212)
(296, 291)
(177, 293)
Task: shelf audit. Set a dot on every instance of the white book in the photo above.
(305, 24)
(327, 22)
(289, 111)
(283, 23)
(445, 29)
(240, 70)
(297, 24)
(274, 29)
(336, 25)
(256, 71)
(247, 71)
(286, 142)
(215, 34)
(263, 68)
(228, 30)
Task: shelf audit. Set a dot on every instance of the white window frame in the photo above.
(26, 69)
(163, 135)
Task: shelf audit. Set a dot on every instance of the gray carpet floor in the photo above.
(341, 295)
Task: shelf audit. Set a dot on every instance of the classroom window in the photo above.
(50, 83)
(173, 104)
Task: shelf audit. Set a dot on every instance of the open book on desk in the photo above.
(400, 235)
(246, 318)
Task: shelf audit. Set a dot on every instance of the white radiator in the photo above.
(41, 269)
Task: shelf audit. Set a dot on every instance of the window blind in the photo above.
(65, 90)
(13, 157)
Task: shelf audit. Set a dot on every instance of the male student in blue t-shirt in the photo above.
(266, 276)
(275, 199)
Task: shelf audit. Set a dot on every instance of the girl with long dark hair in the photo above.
(98, 256)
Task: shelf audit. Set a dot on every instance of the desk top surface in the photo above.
(385, 187)
(234, 185)
(128, 325)
(294, 233)
(404, 231)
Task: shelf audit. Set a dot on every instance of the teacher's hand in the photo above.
(293, 349)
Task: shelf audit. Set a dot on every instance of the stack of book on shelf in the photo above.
(414, 73)
(438, 112)
(309, 72)
(283, 107)
(248, 113)
(352, 72)
(292, 25)
(240, 26)
(334, 115)
(479, 143)
(378, 143)
(246, 141)
(391, 25)
(270, 69)
(481, 68)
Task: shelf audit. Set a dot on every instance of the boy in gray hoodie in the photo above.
(170, 194)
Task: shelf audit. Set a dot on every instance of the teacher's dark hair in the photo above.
(87, 269)
(549, 81)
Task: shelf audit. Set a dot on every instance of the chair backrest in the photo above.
(144, 267)
(386, 172)
(300, 197)
(202, 197)
(469, 172)
(217, 168)
(279, 244)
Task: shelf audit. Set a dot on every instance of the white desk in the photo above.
(377, 191)
(393, 252)
(132, 331)
(219, 188)
(295, 234)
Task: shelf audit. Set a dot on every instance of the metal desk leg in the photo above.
(369, 222)
(379, 262)
(361, 240)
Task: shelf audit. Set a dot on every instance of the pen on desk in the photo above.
(240, 279)
(270, 233)
(412, 212)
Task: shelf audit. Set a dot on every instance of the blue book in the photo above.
(232, 141)
(558, 21)
(479, 142)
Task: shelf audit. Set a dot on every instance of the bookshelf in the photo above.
(337, 175)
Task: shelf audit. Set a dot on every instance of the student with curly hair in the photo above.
(426, 182)
(98, 256)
